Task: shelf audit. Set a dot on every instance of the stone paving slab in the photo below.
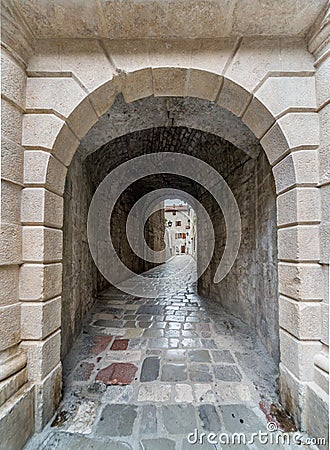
(145, 373)
(117, 420)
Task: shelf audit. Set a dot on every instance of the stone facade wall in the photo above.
(60, 81)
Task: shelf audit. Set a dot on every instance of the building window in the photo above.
(173, 213)
(178, 223)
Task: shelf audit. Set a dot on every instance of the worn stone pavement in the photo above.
(147, 372)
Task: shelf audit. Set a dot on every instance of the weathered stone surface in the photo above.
(210, 418)
(117, 373)
(10, 325)
(160, 443)
(11, 244)
(11, 114)
(301, 319)
(148, 423)
(204, 393)
(43, 356)
(299, 205)
(222, 356)
(100, 343)
(174, 372)
(42, 169)
(200, 372)
(83, 372)
(48, 396)
(119, 344)
(298, 356)
(40, 319)
(316, 406)
(11, 69)
(18, 414)
(240, 419)
(42, 244)
(179, 419)
(227, 373)
(12, 384)
(213, 21)
(150, 369)
(41, 206)
(300, 281)
(174, 355)
(117, 420)
(152, 310)
(291, 92)
(183, 393)
(12, 157)
(300, 168)
(109, 323)
(199, 355)
(154, 393)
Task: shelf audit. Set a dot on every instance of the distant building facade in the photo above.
(180, 229)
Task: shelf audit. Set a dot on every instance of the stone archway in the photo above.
(53, 128)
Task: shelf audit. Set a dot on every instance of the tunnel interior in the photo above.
(249, 291)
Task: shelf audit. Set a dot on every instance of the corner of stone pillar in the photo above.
(48, 394)
(292, 394)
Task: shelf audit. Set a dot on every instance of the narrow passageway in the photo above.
(145, 373)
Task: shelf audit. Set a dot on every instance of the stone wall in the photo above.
(249, 291)
(81, 278)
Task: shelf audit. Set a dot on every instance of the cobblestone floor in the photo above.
(145, 373)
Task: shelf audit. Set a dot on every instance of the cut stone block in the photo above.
(117, 373)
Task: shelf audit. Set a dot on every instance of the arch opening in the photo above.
(249, 292)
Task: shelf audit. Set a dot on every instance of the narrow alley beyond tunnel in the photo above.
(145, 373)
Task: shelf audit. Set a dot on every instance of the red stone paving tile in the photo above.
(119, 344)
(117, 373)
(100, 343)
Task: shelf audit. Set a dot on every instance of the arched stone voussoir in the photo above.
(234, 97)
(169, 81)
(82, 118)
(102, 98)
(137, 84)
(202, 84)
(56, 175)
(258, 117)
(66, 143)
